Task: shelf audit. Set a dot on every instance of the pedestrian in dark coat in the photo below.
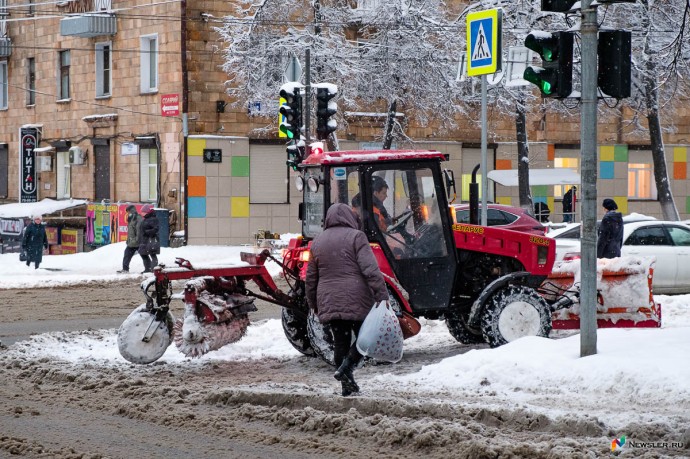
(133, 222)
(610, 237)
(569, 199)
(35, 241)
(149, 244)
(343, 283)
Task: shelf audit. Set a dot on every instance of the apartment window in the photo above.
(64, 172)
(3, 84)
(63, 77)
(565, 163)
(31, 81)
(103, 67)
(149, 63)
(148, 171)
(641, 183)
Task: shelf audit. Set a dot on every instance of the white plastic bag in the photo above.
(380, 336)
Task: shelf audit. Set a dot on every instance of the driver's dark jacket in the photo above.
(343, 278)
(610, 237)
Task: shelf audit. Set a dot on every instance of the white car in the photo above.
(668, 242)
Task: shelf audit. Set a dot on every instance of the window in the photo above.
(148, 169)
(567, 163)
(653, 235)
(103, 66)
(149, 63)
(680, 236)
(31, 81)
(63, 77)
(3, 84)
(641, 183)
(64, 172)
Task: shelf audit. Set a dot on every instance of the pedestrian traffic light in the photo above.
(614, 51)
(555, 78)
(559, 6)
(325, 108)
(291, 125)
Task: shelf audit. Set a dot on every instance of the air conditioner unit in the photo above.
(45, 164)
(77, 156)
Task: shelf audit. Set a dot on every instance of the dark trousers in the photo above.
(149, 262)
(129, 253)
(343, 344)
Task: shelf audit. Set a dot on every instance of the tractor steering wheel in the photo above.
(401, 220)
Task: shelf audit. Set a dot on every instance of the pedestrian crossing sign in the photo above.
(484, 33)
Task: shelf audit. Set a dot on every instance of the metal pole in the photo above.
(588, 146)
(485, 181)
(307, 94)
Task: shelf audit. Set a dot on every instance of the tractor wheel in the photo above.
(321, 338)
(456, 323)
(132, 330)
(514, 312)
(295, 329)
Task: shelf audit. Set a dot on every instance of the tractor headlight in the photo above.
(299, 183)
(313, 184)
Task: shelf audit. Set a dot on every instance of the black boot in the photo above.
(345, 376)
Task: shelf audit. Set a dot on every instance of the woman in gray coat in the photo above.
(343, 283)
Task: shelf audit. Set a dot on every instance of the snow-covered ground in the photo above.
(648, 364)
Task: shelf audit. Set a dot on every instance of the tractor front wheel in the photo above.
(457, 326)
(514, 312)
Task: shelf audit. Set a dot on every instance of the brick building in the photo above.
(103, 89)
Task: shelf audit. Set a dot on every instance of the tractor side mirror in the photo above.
(449, 178)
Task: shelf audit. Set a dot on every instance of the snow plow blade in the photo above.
(624, 293)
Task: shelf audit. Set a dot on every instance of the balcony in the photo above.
(89, 25)
(5, 47)
(89, 18)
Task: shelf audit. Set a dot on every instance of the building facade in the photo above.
(104, 89)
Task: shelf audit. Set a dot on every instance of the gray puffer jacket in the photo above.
(343, 278)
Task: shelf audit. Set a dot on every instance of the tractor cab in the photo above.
(401, 201)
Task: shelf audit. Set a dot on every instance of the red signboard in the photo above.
(170, 104)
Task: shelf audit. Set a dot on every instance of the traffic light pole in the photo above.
(485, 180)
(588, 152)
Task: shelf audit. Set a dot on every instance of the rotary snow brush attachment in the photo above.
(212, 318)
(624, 294)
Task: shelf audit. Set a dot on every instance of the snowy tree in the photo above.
(382, 55)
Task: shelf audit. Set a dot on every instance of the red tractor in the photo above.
(485, 282)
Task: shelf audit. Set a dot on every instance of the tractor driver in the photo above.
(379, 195)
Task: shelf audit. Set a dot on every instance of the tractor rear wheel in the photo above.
(295, 329)
(514, 312)
(321, 338)
(457, 326)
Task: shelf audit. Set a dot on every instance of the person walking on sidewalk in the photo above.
(569, 200)
(149, 244)
(35, 241)
(610, 236)
(343, 283)
(133, 223)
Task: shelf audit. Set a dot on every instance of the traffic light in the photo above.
(559, 6)
(555, 78)
(325, 108)
(295, 155)
(614, 51)
(291, 126)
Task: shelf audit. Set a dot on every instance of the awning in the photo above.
(44, 207)
(557, 176)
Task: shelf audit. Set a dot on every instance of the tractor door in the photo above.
(405, 210)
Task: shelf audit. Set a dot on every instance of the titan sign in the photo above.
(28, 188)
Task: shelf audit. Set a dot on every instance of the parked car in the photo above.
(668, 242)
(507, 217)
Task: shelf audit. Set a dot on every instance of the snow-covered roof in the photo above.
(556, 176)
(43, 207)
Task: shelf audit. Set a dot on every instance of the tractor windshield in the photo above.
(406, 212)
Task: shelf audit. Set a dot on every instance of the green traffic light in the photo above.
(537, 77)
(285, 129)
